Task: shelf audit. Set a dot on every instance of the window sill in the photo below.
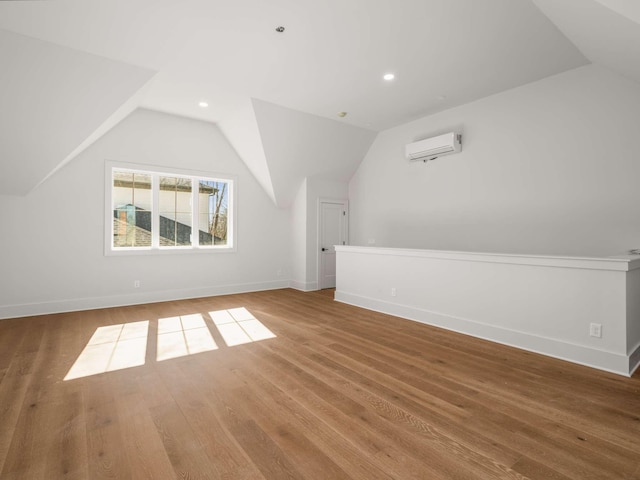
(110, 252)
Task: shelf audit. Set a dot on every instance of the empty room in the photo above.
(339, 239)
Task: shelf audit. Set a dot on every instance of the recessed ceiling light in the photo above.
(389, 76)
(203, 104)
(342, 114)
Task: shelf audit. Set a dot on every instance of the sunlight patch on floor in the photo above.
(113, 347)
(183, 335)
(116, 347)
(238, 326)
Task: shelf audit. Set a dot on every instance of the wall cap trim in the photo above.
(619, 263)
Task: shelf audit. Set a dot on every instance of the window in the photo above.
(157, 211)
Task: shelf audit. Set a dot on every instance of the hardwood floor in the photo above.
(339, 393)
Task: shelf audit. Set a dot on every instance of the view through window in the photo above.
(156, 210)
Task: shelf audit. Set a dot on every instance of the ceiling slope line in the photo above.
(54, 99)
(607, 32)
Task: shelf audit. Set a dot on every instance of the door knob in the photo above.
(324, 249)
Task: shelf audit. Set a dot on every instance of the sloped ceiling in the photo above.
(240, 126)
(314, 147)
(77, 66)
(607, 32)
(52, 99)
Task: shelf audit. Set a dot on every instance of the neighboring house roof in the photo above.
(139, 236)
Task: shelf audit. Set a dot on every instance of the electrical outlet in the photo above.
(393, 292)
(136, 284)
(371, 241)
(595, 330)
(279, 272)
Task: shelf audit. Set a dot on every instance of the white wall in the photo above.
(299, 239)
(550, 168)
(53, 247)
(319, 188)
(304, 220)
(633, 315)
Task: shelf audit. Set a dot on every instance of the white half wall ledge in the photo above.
(542, 304)
(614, 262)
(75, 305)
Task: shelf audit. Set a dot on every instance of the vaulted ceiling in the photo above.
(71, 69)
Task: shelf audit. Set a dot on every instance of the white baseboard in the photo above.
(580, 354)
(634, 359)
(72, 305)
(304, 286)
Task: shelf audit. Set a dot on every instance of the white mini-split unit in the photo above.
(434, 147)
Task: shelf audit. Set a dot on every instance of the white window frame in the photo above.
(155, 248)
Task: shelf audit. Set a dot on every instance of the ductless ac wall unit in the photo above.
(434, 147)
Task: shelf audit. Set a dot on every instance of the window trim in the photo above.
(157, 171)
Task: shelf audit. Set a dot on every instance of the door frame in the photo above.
(345, 203)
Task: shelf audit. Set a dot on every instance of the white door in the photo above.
(333, 231)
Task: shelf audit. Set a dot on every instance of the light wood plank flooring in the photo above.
(339, 393)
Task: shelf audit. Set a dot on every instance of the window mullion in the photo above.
(155, 211)
(230, 215)
(195, 212)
